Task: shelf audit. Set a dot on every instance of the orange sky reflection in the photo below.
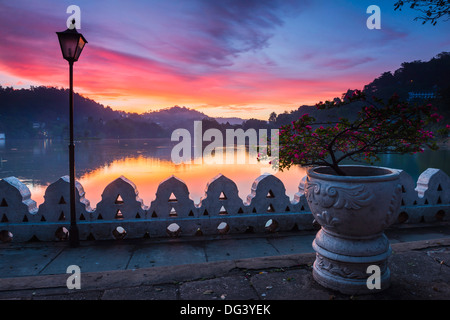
(147, 172)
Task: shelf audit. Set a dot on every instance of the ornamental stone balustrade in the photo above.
(122, 214)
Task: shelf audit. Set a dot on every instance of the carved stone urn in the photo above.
(353, 211)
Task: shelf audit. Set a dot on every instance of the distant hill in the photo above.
(232, 120)
(43, 111)
(174, 117)
(417, 76)
(431, 76)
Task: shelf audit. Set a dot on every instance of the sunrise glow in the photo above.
(246, 59)
(148, 173)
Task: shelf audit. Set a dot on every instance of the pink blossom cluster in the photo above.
(381, 127)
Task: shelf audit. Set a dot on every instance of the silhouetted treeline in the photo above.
(41, 112)
(415, 76)
(44, 111)
(418, 76)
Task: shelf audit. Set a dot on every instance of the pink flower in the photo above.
(437, 117)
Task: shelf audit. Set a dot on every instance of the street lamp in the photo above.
(72, 43)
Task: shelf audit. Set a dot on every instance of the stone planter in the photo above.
(353, 211)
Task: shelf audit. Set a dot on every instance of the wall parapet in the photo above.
(121, 212)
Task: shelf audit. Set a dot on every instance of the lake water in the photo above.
(147, 162)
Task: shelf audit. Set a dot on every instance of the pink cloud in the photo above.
(205, 53)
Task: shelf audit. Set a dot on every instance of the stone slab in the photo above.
(167, 254)
(27, 260)
(158, 292)
(225, 288)
(420, 270)
(420, 236)
(91, 259)
(288, 285)
(238, 249)
(293, 244)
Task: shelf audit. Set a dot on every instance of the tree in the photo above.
(380, 128)
(432, 10)
(273, 117)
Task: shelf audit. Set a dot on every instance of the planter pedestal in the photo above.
(342, 263)
(353, 212)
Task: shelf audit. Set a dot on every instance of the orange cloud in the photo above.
(234, 58)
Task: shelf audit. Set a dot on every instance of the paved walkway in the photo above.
(220, 268)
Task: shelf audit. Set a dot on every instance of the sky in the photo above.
(226, 58)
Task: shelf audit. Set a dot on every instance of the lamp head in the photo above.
(72, 43)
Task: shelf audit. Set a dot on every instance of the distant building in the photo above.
(38, 125)
(421, 95)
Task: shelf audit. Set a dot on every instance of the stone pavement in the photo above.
(222, 268)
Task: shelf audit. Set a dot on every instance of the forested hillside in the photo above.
(417, 76)
(41, 112)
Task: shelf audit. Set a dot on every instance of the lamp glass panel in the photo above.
(69, 45)
(80, 47)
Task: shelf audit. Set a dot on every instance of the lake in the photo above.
(147, 162)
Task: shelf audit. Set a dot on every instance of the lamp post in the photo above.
(72, 43)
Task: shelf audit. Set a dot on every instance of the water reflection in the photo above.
(147, 173)
(146, 162)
